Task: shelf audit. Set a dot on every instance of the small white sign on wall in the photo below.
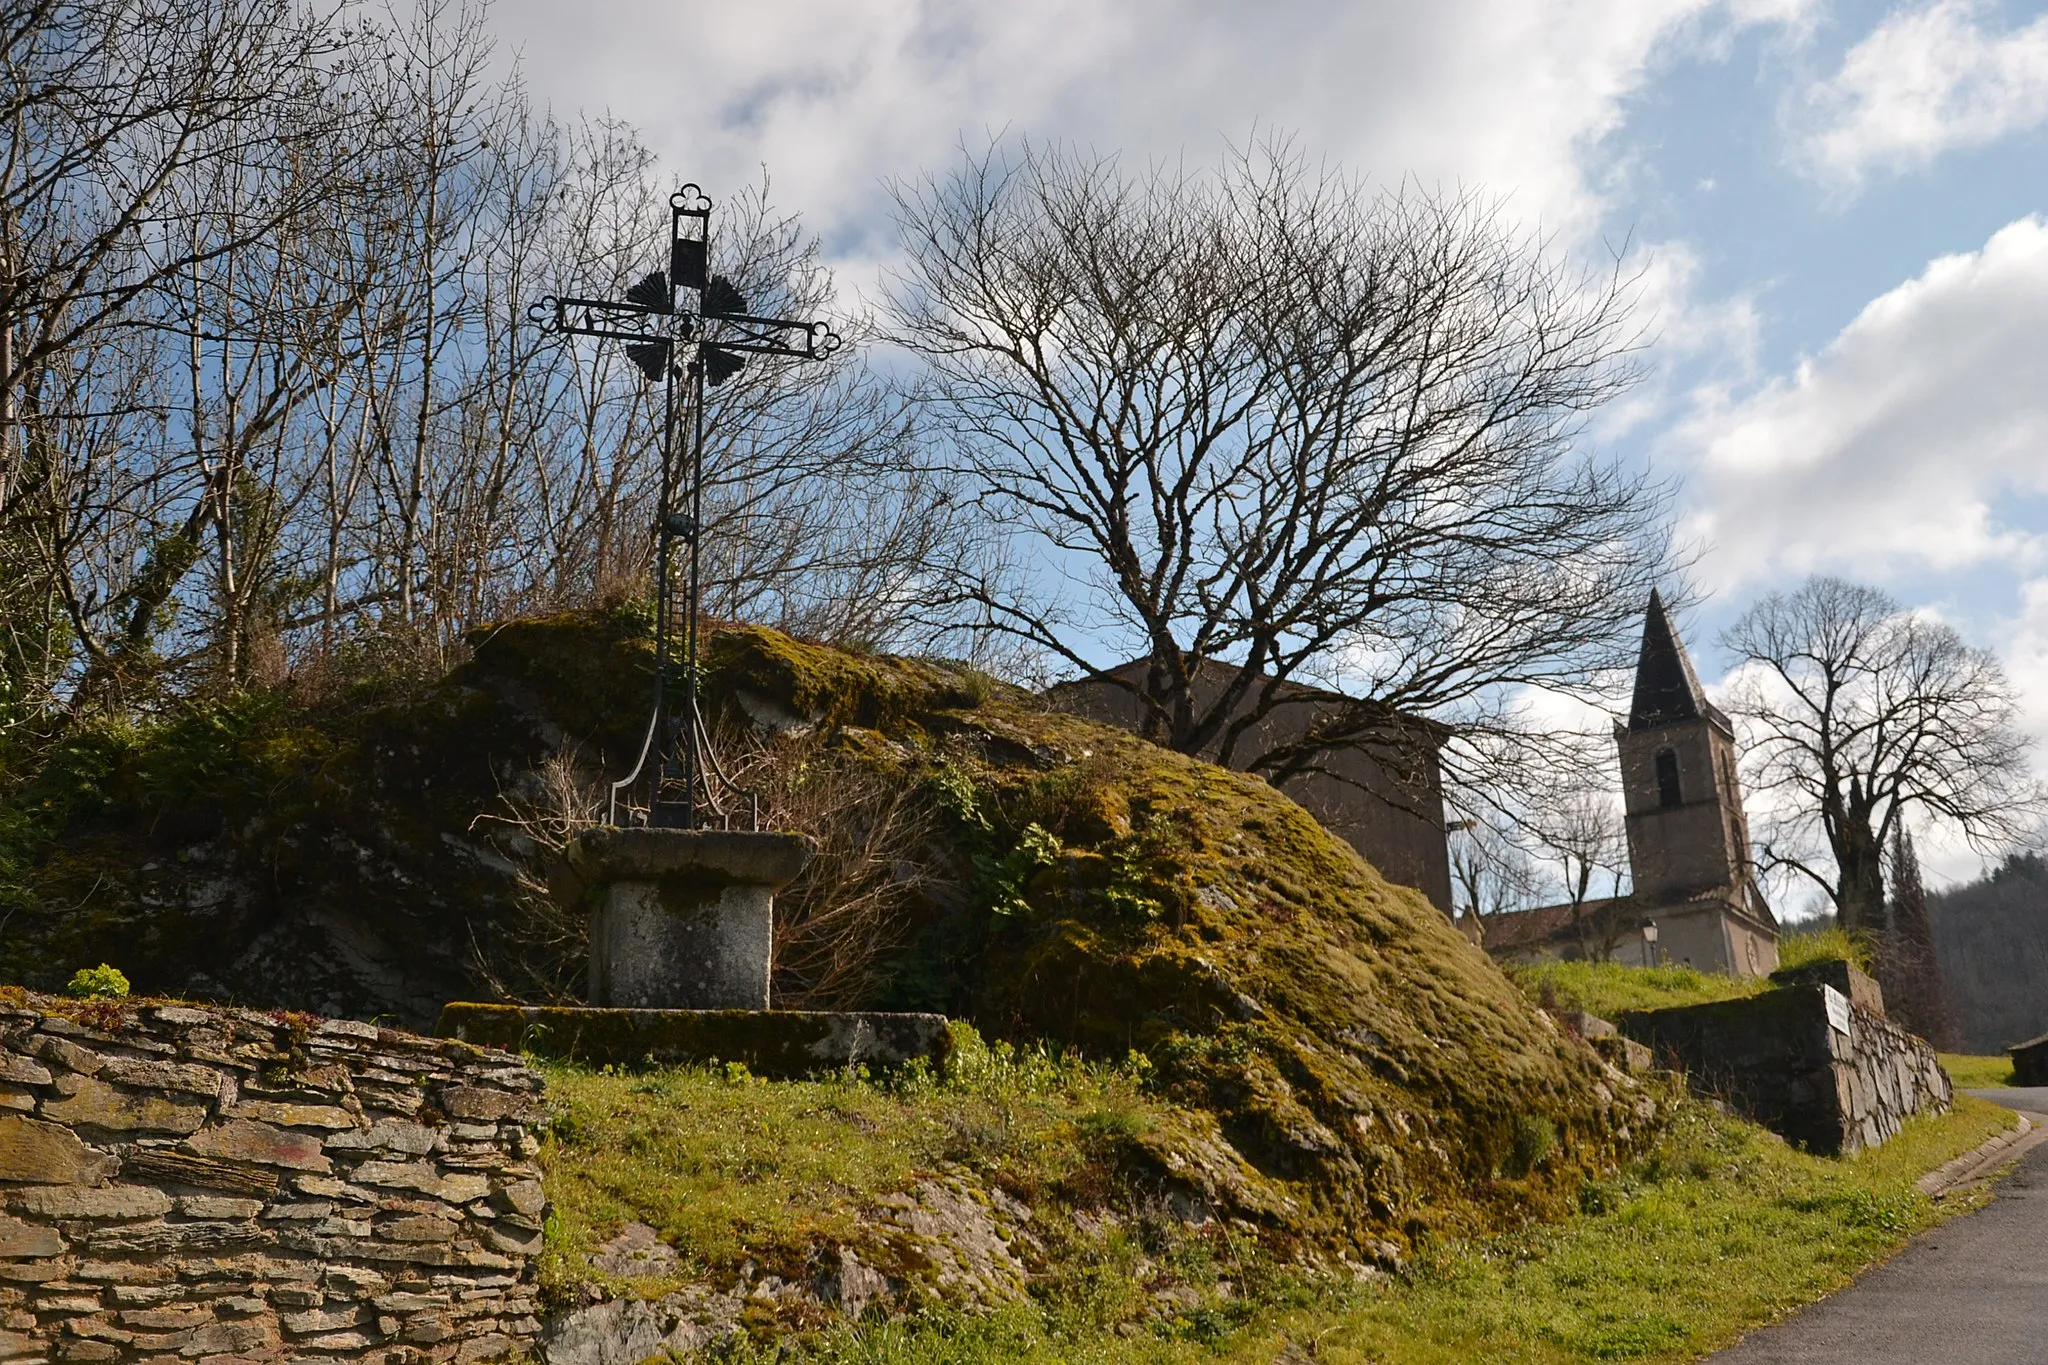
(1838, 1009)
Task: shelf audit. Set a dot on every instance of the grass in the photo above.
(1798, 947)
(1977, 1073)
(730, 1168)
(1721, 1228)
(1610, 988)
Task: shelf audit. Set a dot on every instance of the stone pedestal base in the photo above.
(688, 916)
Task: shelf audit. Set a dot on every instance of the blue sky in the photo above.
(1841, 209)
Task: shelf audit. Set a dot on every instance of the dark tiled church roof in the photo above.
(1514, 930)
(1666, 689)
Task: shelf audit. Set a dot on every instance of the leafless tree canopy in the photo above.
(1491, 873)
(267, 382)
(1261, 415)
(1858, 714)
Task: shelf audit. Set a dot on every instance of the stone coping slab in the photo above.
(777, 1043)
(1844, 976)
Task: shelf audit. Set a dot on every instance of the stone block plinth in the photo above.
(685, 918)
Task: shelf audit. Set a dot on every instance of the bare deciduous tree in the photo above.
(1490, 873)
(1264, 418)
(1582, 832)
(1859, 713)
(268, 383)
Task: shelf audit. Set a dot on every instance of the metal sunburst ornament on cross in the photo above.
(686, 788)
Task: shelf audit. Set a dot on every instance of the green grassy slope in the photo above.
(1718, 1228)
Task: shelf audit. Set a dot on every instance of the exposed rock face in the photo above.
(629, 1331)
(328, 857)
(185, 1183)
(965, 1240)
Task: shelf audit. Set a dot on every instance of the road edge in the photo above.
(1987, 1159)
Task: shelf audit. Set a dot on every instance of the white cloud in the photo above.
(2024, 647)
(1903, 445)
(834, 96)
(1925, 81)
(1712, 340)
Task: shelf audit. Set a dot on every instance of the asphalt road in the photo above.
(1973, 1291)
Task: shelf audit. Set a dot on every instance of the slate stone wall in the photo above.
(220, 1186)
(1780, 1059)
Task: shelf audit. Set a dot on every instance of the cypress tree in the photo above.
(1909, 968)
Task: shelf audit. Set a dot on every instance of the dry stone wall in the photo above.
(181, 1184)
(1804, 1061)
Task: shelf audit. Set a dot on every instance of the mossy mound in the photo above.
(1346, 1072)
(1351, 1071)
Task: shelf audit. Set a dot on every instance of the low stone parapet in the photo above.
(1845, 976)
(776, 1043)
(2030, 1061)
(181, 1183)
(1803, 1061)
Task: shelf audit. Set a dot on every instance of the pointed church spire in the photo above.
(1666, 689)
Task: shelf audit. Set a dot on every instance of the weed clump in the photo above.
(97, 983)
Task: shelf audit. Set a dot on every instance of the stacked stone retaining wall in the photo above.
(1803, 1061)
(181, 1184)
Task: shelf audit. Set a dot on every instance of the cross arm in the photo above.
(774, 336)
(567, 316)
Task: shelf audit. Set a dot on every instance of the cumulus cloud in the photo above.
(835, 96)
(1925, 81)
(1909, 444)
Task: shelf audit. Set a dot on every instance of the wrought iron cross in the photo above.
(686, 787)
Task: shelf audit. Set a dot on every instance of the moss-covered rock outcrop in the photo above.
(1346, 1072)
(1350, 1069)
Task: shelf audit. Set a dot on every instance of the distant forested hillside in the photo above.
(1993, 939)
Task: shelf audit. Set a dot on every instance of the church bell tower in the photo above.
(1687, 835)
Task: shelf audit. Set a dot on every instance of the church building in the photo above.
(1695, 898)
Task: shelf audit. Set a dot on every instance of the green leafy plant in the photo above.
(953, 792)
(98, 983)
(1534, 1138)
(1005, 880)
